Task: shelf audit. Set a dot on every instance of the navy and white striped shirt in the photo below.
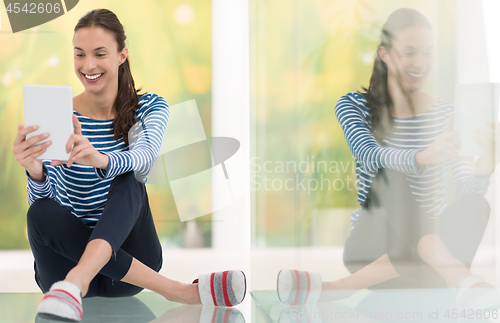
(398, 151)
(84, 189)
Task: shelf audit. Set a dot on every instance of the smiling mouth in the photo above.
(415, 74)
(93, 76)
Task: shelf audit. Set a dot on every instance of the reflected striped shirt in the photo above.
(84, 189)
(429, 184)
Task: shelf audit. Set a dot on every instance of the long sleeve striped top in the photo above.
(429, 184)
(84, 189)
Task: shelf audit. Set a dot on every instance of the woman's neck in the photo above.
(410, 104)
(98, 106)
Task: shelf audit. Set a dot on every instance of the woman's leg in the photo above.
(56, 237)
(450, 240)
(366, 257)
(379, 246)
(145, 277)
(461, 229)
(374, 244)
(370, 255)
(126, 223)
(58, 240)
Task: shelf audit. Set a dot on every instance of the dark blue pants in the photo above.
(58, 238)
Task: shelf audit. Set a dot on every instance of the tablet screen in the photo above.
(51, 108)
(476, 106)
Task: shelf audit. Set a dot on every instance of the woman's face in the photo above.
(410, 59)
(97, 58)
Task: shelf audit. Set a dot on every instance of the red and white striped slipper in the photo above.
(297, 287)
(225, 288)
(63, 302)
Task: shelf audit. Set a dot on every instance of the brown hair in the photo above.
(377, 95)
(127, 100)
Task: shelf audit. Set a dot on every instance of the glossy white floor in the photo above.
(19, 294)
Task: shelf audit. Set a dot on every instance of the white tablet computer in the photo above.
(51, 108)
(476, 105)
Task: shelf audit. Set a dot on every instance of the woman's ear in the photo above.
(123, 55)
(383, 53)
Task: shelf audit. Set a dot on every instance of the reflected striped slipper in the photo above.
(63, 302)
(225, 288)
(297, 287)
(211, 314)
(474, 293)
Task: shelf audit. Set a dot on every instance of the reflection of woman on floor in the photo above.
(406, 235)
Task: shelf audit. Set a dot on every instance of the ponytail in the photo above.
(377, 95)
(126, 103)
(378, 99)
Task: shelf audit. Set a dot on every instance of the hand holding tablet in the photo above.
(50, 108)
(82, 151)
(26, 152)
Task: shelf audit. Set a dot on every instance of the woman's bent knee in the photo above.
(39, 211)
(479, 203)
(127, 182)
(471, 212)
(127, 178)
(427, 242)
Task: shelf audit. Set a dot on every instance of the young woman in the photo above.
(89, 223)
(405, 235)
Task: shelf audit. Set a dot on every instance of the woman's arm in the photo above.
(38, 190)
(145, 150)
(365, 148)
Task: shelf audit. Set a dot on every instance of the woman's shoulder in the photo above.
(153, 107)
(443, 106)
(149, 102)
(149, 99)
(353, 98)
(354, 102)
